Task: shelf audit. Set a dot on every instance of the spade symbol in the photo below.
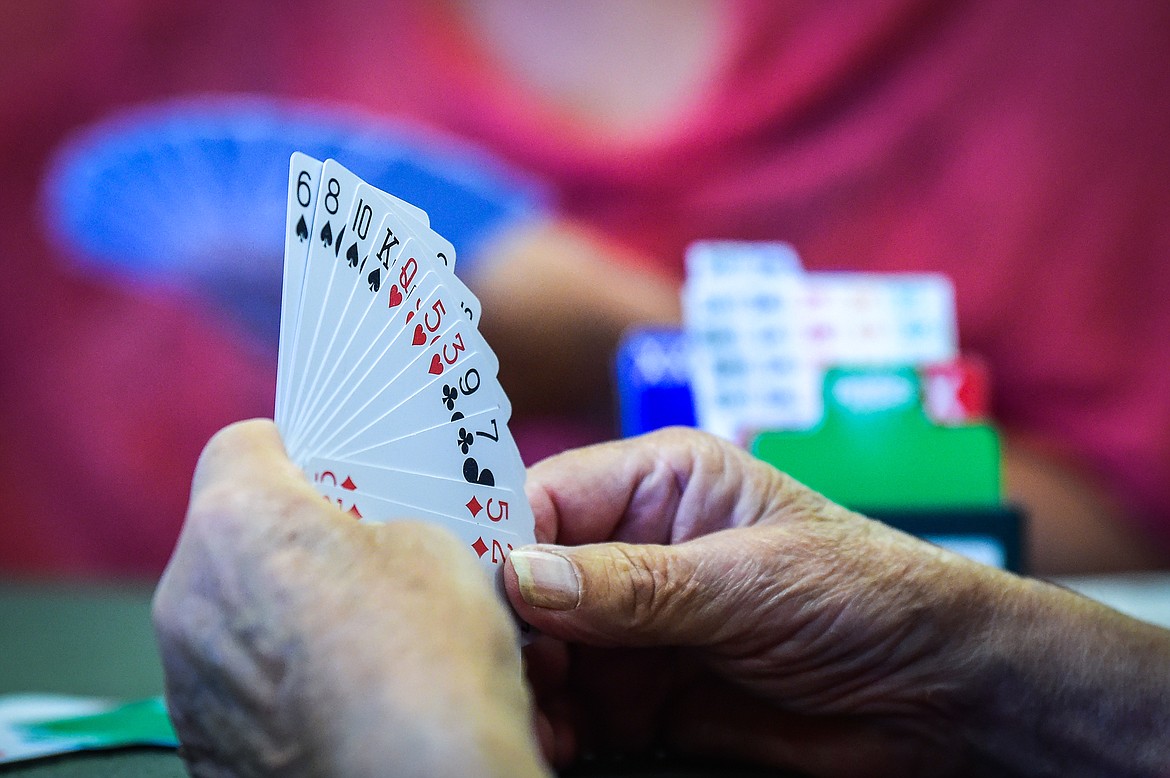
(337, 246)
(375, 279)
(302, 230)
(473, 475)
(327, 235)
(352, 255)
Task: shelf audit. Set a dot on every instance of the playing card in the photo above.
(720, 259)
(379, 226)
(879, 319)
(750, 361)
(477, 448)
(368, 358)
(490, 544)
(411, 352)
(335, 192)
(387, 394)
(34, 726)
(487, 506)
(761, 333)
(303, 176)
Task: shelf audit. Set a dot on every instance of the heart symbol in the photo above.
(395, 296)
(436, 365)
(420, 337)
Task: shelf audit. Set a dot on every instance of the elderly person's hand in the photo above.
(299, 642)
(739, 613)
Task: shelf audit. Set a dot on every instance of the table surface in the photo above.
(96, 640)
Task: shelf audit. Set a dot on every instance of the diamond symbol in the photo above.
(480, 547)
(353, 511)
(348, 484)
(474, 507)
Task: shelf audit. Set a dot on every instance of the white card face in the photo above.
(329, 246)
(377, 319)
(353, 294)
(751, 367)
(387, 394)
(762, 333)
(360, 421)
(879, 319)
(412, 351)
(303, 177)
(458, 500)
(478, 449)
(720, 259)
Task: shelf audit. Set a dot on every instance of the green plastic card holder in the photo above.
(875, 448)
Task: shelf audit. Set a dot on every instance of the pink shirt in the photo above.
(1021, 148)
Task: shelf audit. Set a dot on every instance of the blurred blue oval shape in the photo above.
(192, 191)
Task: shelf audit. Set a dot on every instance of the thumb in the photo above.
(630, 595)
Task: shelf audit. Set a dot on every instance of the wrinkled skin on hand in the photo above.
(698, 599)
(769, 623)
(298, 642)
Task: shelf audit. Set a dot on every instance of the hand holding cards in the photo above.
(387, 396)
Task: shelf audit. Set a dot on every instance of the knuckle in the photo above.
(231, 437)
(678, 439)
(656, 581)
(691, 442)
(224, 444)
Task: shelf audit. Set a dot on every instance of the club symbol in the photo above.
(450, 395)
(465, 439)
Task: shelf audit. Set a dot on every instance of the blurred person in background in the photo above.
(1019, 149)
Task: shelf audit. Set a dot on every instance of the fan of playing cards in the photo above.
(387, 394)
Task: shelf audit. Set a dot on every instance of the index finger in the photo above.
(665, 487)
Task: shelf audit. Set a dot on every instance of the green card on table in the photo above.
(875, 448)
